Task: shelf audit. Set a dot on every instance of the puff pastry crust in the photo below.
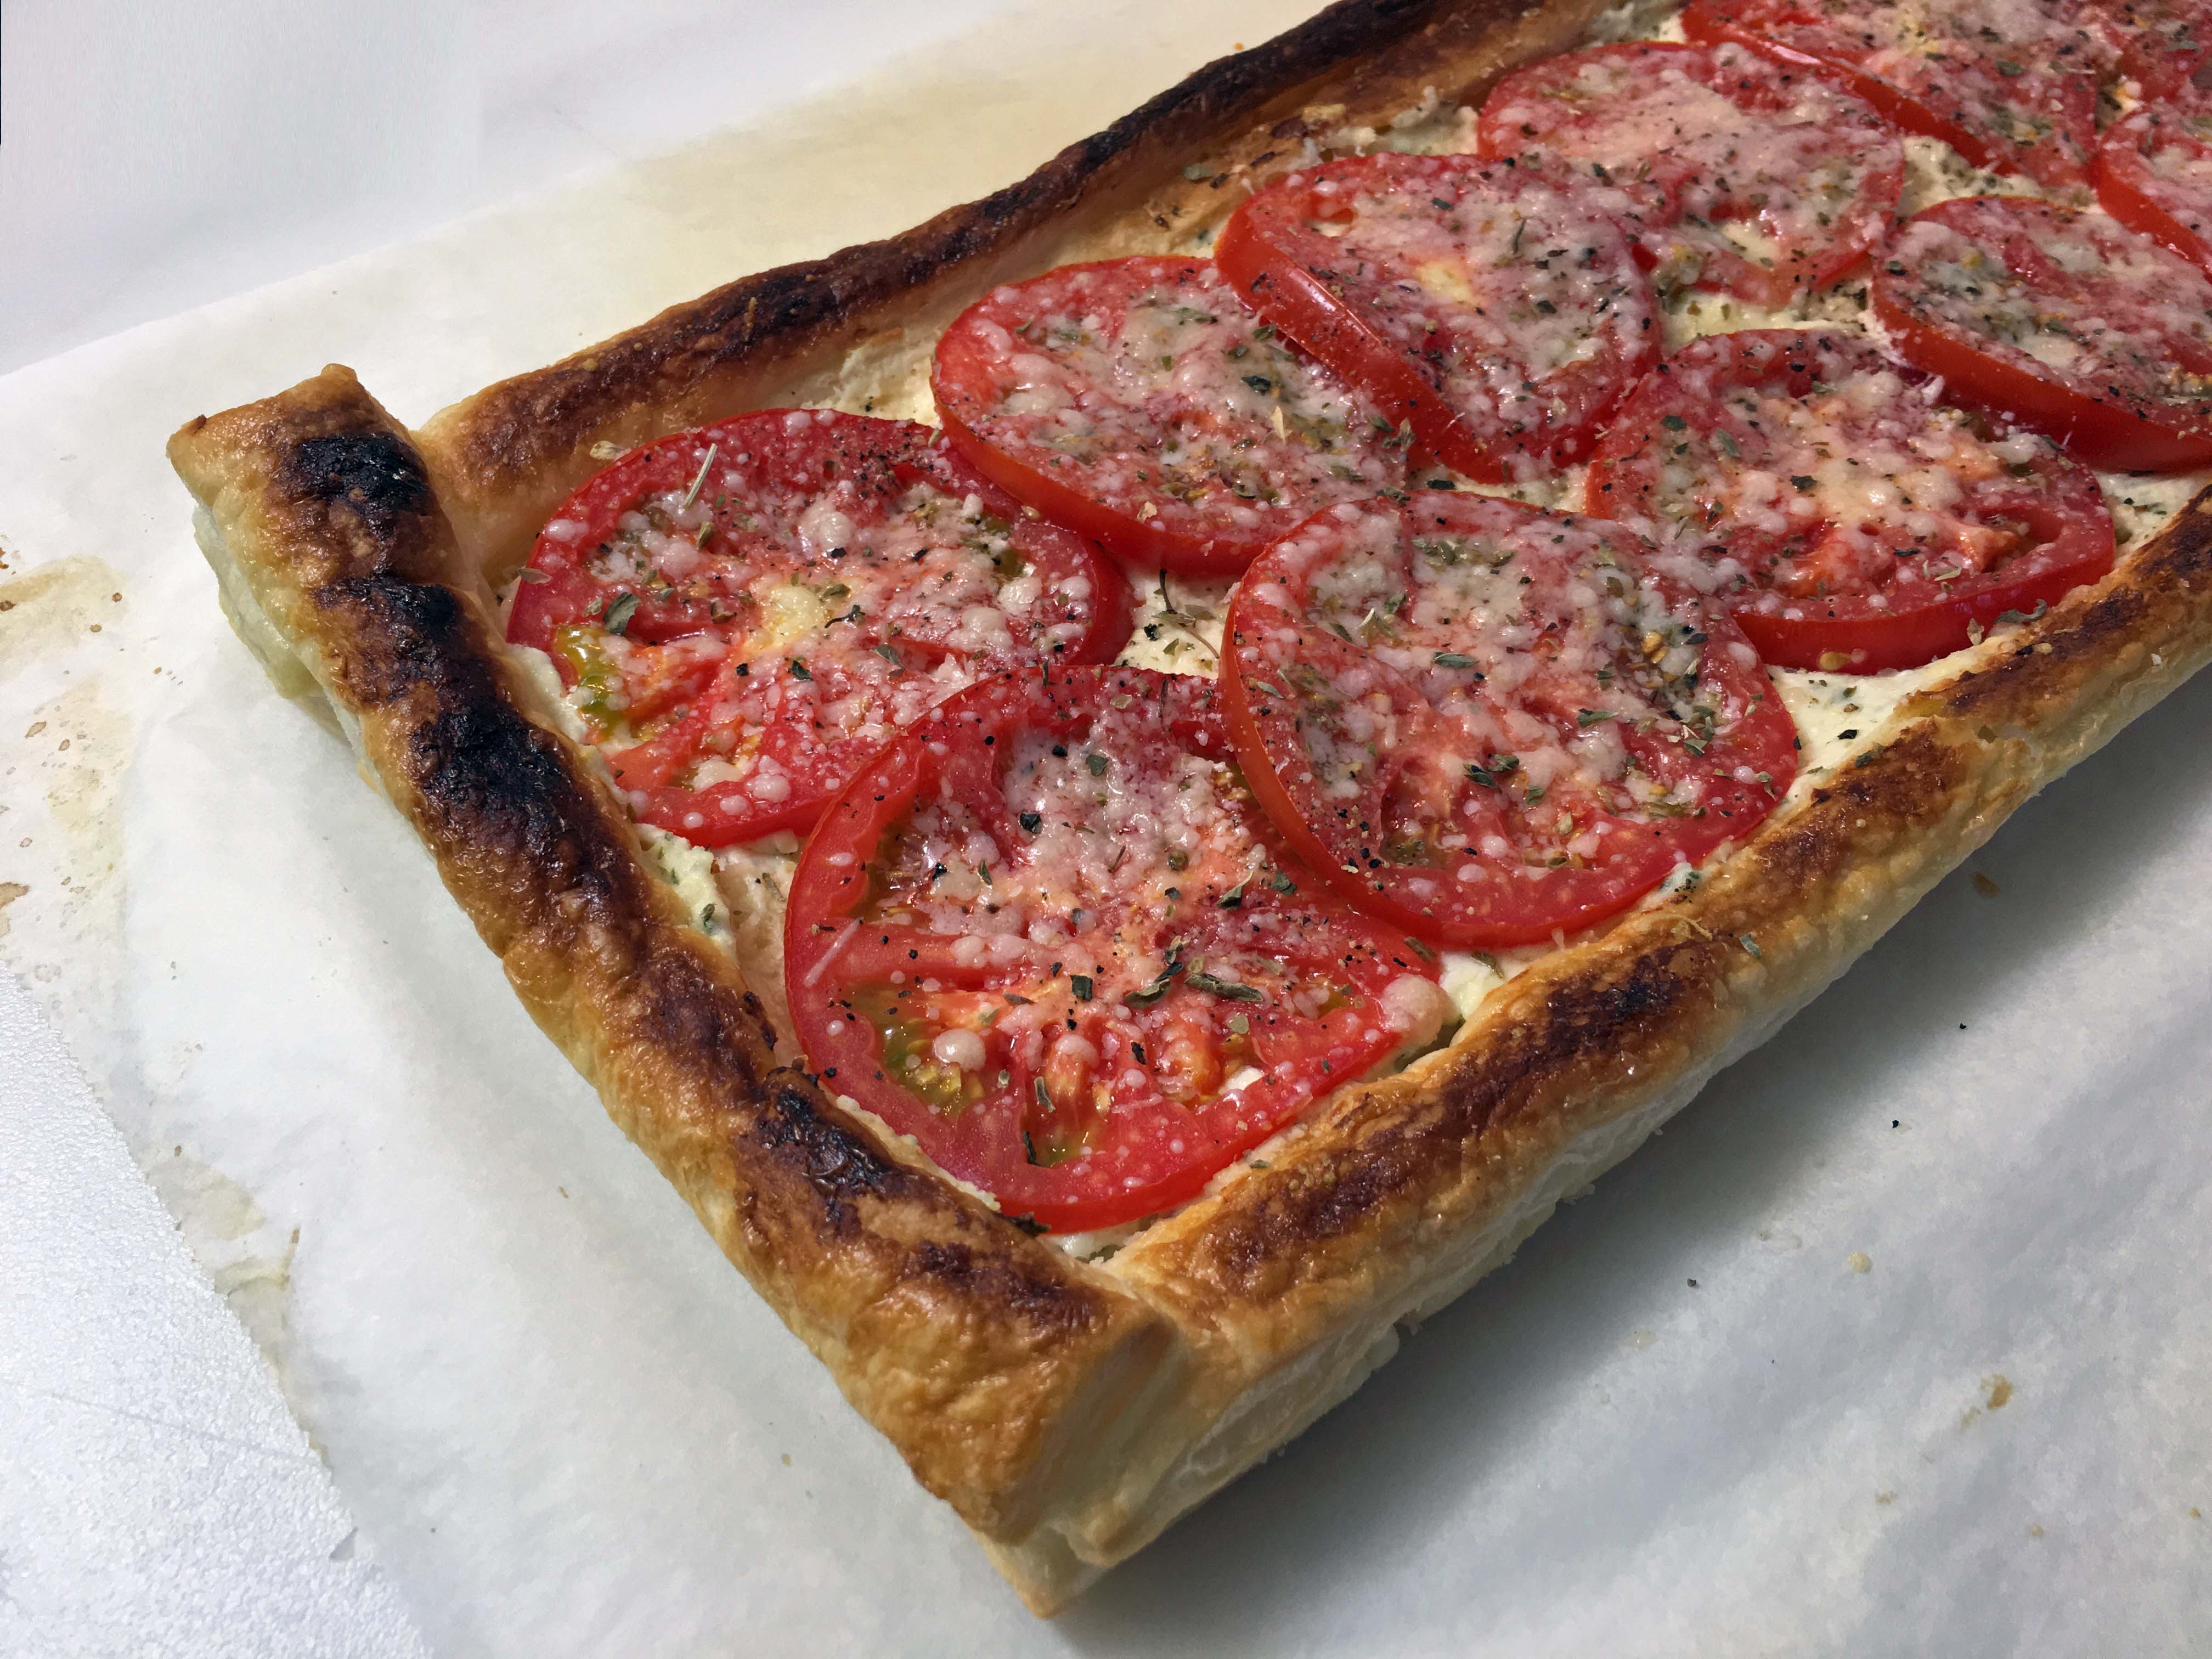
(1069, 1411)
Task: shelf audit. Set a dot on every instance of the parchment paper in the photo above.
(1895, 1341)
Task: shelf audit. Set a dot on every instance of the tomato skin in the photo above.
(1871, 644)
(1551, 112)
(1076, 1093)
(2162, 44)
(1299, 304)
(1338, 302)
(2092, 430)
(702, 667)
(1131, 410)
(1921, 95)
(2167, 210)
(1910, 618)
(1296, 826)
(2098, 420)
(2121, 192)
(1479, 859)
(1128, 539)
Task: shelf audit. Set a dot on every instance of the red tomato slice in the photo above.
(2159, 44)
(1138, 401)
(2154, 174)
(2010, 84)
(1047, 934)
(1852, 521)
(1748, 176)
(752, 609)
(2069, 322)
(1502, 316)
(1492, 724)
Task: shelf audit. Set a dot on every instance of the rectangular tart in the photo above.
(1069, 1406)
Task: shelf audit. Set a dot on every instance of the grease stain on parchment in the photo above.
(10, 892)
(56, 606)
(248, 1260)
(89, 739)
(1997, 1395)
(74, 752)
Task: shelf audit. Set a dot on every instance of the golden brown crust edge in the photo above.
(1967, 753)
(505, 458)
(976, 1349)
(1285, 1284)
(1023, 1404)
(1401, 1193)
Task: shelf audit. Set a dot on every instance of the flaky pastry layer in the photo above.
(1069, 1411)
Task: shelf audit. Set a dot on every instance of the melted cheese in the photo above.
(556, 700)
(2174, 145)
(1146, 387)
(1456, 619)
(1179, 620)
(1866, 482)
(753, 882)
(1504, 290)
(789, 613)
(2144, 503)
(1841, 716)
(2003, 72)
(690, 871)
(800, 596)
(1933, 173)
(2109, 341)
(1179, 625)
(1744, 175)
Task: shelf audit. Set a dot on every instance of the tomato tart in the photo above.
(1127, 788)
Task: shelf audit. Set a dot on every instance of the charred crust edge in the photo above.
(1650, 987)
(520, 424)
(2163, 590)
(376, 475)
(1647, 997)
(493, 784)
(543, 865)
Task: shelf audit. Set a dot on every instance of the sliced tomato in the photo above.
(1501, 316)
(2010, 84)
(745, 612)
(1849, 518)
(1047, 934)
(2070, 323)
(1492, 723)
(2159, 45)
(2155, 174)
(1754, 178)
(1138, 401)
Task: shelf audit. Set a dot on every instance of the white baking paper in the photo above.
(1895, 1341)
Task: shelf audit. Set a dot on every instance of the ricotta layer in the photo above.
(738, 892)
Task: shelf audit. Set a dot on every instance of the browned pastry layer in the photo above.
(974, 1346)
(1069, 1411)
(506, 457)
